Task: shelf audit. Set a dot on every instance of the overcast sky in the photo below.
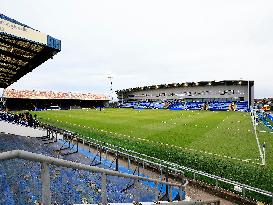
(149, 42)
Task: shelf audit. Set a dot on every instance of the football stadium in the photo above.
(160, 144)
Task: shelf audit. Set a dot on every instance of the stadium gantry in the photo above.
(22, 49)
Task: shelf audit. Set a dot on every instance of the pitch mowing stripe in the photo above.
(143, 139)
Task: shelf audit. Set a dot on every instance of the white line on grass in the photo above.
(253, 118)
(182, 148)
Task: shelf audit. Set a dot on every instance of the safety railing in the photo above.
(162, 164)
(45, 174)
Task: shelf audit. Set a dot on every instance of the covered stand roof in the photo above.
(186, 84)
(22, 49)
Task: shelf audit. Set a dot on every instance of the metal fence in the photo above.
(178, 168)
(45, 174)
(155, 162)
(161, 164)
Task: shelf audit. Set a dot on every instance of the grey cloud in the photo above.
(150, 42)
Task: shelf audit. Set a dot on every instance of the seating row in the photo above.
(20, 180)
(213, 106)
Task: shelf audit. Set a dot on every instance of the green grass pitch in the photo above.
(224, 134)
(220, 143)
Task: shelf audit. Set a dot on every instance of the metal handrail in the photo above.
(45, 177)
(170, 165)
(173, 166)
(216, 202)
(21, 154)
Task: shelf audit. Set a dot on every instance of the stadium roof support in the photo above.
(22, 49)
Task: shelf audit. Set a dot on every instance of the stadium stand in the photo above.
(40, 100)
(234, 95)
(196, 92)
(265, 118)
(213, 106)
(21, 185)
(28, 94)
